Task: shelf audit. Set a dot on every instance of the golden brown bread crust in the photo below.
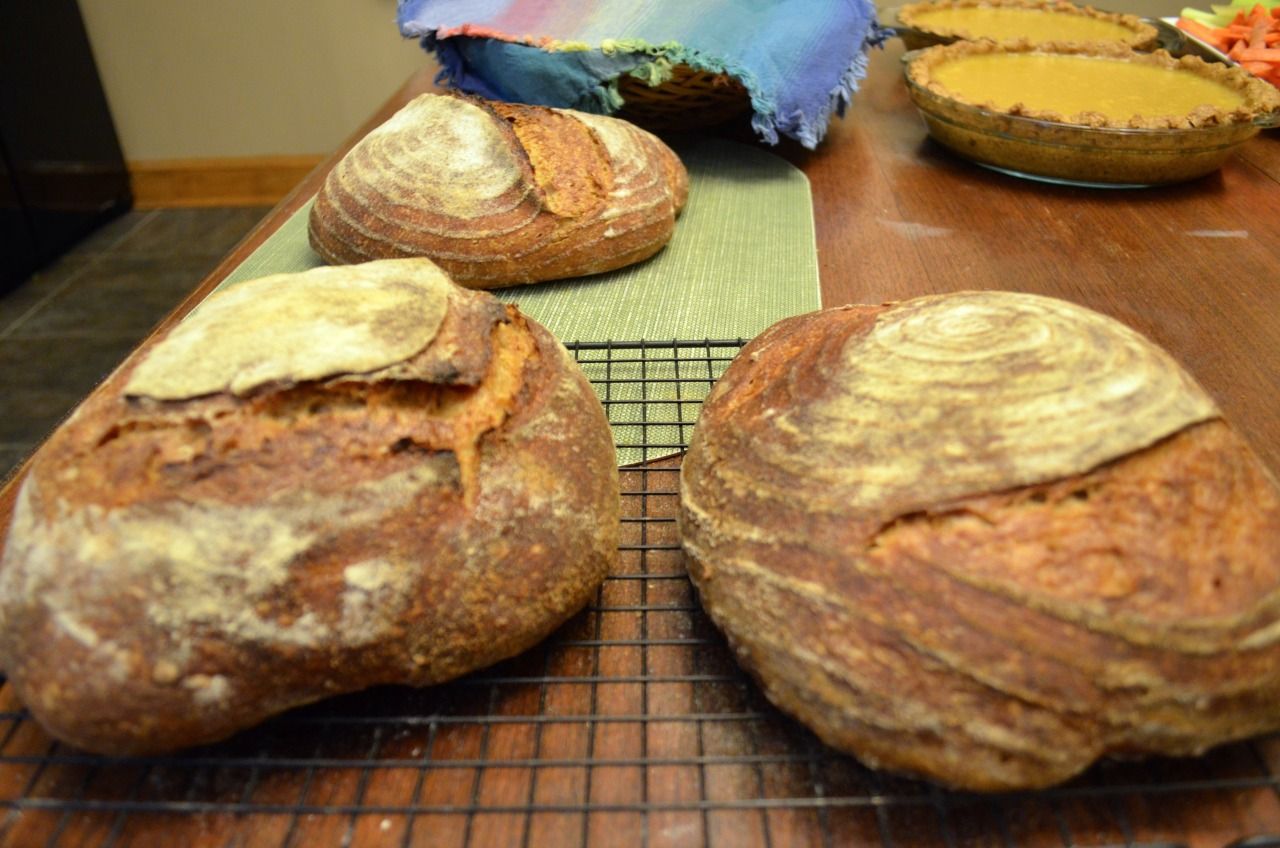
(178, 570)
(989, 639)
(500, 194)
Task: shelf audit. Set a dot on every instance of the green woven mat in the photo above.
(743, 257)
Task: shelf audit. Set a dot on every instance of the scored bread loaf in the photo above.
(500, 194)
(986, 538)
(317, 483)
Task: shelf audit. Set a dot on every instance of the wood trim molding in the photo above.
(240, 181)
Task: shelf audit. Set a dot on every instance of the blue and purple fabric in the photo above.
(800, 60)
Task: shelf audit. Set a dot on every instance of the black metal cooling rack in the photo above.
(632, 725)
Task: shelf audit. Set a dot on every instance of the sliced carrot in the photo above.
(1257, 54)
(1202, 32)
(1250, 38)
(1258, 33)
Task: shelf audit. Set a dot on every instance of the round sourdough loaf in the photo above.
(317, 483)
(500, 194)
(985, 538)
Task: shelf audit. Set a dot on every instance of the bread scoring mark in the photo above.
(982, 391)
(634, 169)
(621, 139)
(385, 230)
(571, 171)
(214, 622)
(446, 153)
(1127, 606)
(572, 175)
(401, 185)
(923, 696)
(297, 327)
(771, 590)
(192, 556)
(904, 711)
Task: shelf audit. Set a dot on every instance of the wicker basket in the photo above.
(689, 100)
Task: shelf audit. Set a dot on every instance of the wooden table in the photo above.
(633, 724)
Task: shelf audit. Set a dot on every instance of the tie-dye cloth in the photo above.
(800, 60)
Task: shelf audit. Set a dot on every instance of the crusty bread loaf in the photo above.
(500, 194)
(986, 538)
(316, 483)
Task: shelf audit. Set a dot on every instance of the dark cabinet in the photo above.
(62, 173)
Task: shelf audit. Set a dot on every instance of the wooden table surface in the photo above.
(1196, 267)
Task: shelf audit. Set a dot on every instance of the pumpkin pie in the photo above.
(1100, 114)
(945, 21)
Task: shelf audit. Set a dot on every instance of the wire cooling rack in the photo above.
(632, 725)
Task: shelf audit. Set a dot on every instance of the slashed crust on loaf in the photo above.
(988, 636)
(180, 569)
(501, 194)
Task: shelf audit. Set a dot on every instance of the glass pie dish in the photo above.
(1084, 149)
(923, 24)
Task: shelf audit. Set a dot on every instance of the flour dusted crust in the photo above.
(985, 538)
(297, 327)
(1141, 34)
(1260, 98)
(189, 557)
(501, 194)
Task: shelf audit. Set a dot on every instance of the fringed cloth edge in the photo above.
(578, 76)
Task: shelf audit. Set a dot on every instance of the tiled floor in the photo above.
(66, 327)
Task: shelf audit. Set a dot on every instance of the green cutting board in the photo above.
(743, 256)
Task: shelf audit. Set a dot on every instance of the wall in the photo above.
(228, 78)
(244, 78)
